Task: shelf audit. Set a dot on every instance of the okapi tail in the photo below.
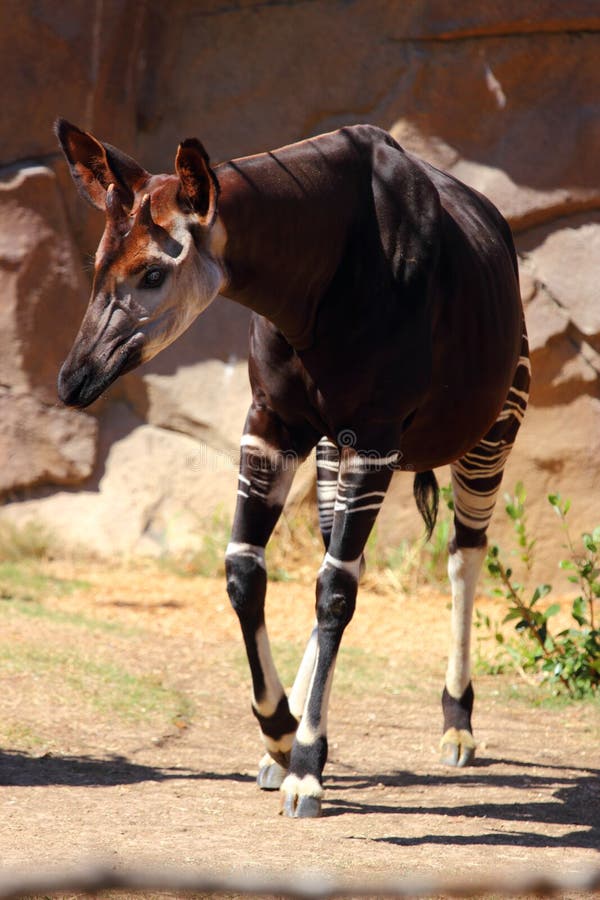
(426, 493)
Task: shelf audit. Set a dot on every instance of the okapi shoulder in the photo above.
(408, 211)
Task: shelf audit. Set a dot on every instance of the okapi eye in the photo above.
(153, 278)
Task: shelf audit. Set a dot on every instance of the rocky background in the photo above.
(506, 97)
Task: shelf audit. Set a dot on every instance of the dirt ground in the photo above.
(126, 733)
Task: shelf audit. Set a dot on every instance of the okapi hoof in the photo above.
(457, 748)
(301, 797)
(301, 807)
(270, 774)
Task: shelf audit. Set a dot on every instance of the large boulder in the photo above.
(43, 287)
(42, 293)
(207, 401)
(41, 444)
(505, 99)
(564, 259)
(85, 62)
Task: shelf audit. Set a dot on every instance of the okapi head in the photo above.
(156, 268)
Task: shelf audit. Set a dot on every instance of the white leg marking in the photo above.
(366, 462)
(298, 694)
(252, 550)
(304, 682)
(273, 687)
(308, 786)
(259, 444)
(307, 734)
(351, 566)
(325, 442)
(463, 568)
(279, 490)
(272, 471)
(331, 465)
(274, 454)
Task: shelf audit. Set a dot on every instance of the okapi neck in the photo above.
(283, 242)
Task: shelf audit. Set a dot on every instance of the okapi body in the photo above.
(387, 331)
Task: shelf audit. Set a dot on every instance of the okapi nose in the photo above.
(70, 384)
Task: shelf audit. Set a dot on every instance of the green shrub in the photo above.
(568, 659)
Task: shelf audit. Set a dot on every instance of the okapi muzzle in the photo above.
(154, 269)
(109, 344)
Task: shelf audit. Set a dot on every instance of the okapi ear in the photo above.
(94, 166)
(199, 188)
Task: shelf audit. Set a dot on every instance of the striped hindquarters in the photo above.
(476, 476)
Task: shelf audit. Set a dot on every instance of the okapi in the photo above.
(387, 331)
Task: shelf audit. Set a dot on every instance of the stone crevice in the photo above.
(464, 37)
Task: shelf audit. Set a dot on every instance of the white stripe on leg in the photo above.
(297, 698)
(463, 569)
(273, 688)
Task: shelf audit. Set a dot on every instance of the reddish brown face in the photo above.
(156, 266)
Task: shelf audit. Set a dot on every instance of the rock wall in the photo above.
(507, 100)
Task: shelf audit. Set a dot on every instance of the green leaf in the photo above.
(566, 564)
(552, 610)
(554, 499)
(579, 610)
(512, 614)
(540, 591)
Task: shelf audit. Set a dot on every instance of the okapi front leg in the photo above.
(267, 466)
(328, 464)
(361, 489)
(272, 773)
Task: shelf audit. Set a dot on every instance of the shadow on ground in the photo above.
(575, 801)
(22, 770)
(575, 798)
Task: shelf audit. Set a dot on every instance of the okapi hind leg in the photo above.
(464, 566)
(476, 479)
